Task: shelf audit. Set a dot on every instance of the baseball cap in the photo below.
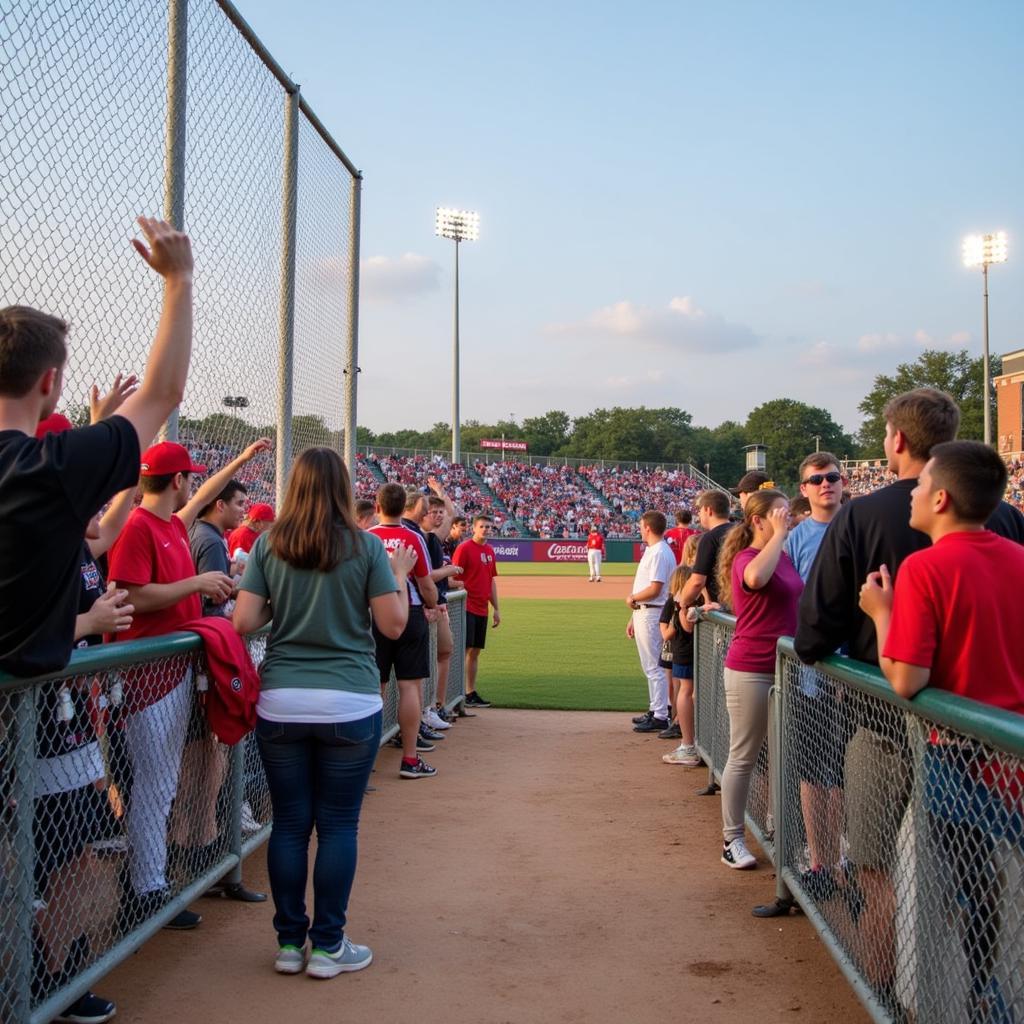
(167, 457)
(55, 423)
(261, 513)
(752, 481)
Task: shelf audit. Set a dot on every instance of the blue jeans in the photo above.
(317, 775)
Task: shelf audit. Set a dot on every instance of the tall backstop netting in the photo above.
(115, 108)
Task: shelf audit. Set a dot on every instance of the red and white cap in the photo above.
(167, 457)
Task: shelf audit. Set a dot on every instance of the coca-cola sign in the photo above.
(565, 551)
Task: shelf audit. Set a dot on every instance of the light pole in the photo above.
(982, 251)
(817, 442)
(459, 226)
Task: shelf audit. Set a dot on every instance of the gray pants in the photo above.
(746, 698)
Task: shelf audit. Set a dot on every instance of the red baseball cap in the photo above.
(55, 423)
(167, 457)
(261, 513)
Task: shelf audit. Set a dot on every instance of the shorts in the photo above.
(409, 655)
(681, 671)
(64, 824)
(476, 630)
(822, 731)
(878, 781)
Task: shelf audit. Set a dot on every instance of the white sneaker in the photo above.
(683, 755)
(290, 960)
(432, 719)
(249, 823)
(348, 957)
(736, 855)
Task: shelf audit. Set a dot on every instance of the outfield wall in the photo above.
(518, 550)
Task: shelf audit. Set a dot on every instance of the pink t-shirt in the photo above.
(762, 616)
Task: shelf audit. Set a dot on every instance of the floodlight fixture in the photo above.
(457, 225)
(982, 251)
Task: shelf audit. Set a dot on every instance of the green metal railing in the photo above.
(70, 848)
(897, 827)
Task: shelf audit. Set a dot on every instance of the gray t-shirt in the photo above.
(320, 637)
(210, 554)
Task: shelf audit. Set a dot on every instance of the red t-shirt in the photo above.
(762, 616)
(392, 537)
(479, 567)
(595, 541)
(676, 539)
(957, 610)
(241, 537)
(153, 550)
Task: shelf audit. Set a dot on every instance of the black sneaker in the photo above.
(419, 770)
(422, 743)
(430, 734)
(673, 732)
(396, 741)
(645, 717)
(90, 1009)
(652, 724)
(443, 714)
(184, 922)
(474, 700)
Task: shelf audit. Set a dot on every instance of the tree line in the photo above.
(788, 428)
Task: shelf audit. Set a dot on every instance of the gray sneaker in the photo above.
(686, 756)
(348, 957)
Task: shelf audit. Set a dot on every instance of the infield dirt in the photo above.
(554, 871)
(569, 588)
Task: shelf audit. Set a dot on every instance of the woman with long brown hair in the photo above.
(317, 577)
(757, 580)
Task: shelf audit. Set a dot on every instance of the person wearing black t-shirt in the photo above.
(51, 487)
(866, 533)
(713, 512)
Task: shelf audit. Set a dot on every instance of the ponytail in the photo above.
(742, 536)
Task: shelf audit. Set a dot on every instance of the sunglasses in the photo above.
(819, 478)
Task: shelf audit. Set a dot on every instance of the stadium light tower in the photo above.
(982, 251)
(459, 226)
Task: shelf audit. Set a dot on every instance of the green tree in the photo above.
(639, 434)
(954, 372)
(548, 433)
(720, 449)
(789, 430)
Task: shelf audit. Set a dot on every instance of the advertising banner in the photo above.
(559, 551)
(513, 550)
(508, 446)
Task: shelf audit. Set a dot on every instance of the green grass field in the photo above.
(562, 655)
(563, 569)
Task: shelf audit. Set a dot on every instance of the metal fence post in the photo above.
(352, 352)
(23, 847)
(174, 137)
(286, 315)
(777, 776)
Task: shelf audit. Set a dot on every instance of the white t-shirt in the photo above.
(656, 565)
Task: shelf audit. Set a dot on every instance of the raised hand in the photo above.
(102, 406)
(402, 559)
(169, 251)
(264, 444)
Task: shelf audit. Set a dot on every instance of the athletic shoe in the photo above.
(184, 922)
(474, 700)
(348, 957)
(736, 855)
(673, 732)
(434, 721)
(396, 741)
(651, 725)
(645, 717)
(89, 1009)
(429, 734)
(422, 743)
(290, 960)
(819, 884)
(443, 714)
(249, 823)
(684, 755)
(419, 770)
(598, 580)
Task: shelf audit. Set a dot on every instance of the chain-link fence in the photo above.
(115, 109)
(898, 829)
(118, 807)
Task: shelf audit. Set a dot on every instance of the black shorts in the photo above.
(476, 630)
(409, 655)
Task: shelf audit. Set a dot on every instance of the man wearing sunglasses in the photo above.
(821, 483)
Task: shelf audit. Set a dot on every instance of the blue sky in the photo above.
(706, 206)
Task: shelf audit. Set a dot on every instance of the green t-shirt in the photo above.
(320, 635)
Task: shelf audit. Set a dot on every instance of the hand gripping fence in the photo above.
(118, 808)
(896, 826)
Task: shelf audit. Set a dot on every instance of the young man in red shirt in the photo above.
(409, 655)
(954, 621)
(676, 537)
(595, 552)
(151, 560)
(257, 520)
(479, 577)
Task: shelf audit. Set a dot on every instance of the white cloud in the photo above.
(681, 325)
(386, 279)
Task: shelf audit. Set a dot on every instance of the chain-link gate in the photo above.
(114, 109)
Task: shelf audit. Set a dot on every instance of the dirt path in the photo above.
(569, 588)
(539, 879)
